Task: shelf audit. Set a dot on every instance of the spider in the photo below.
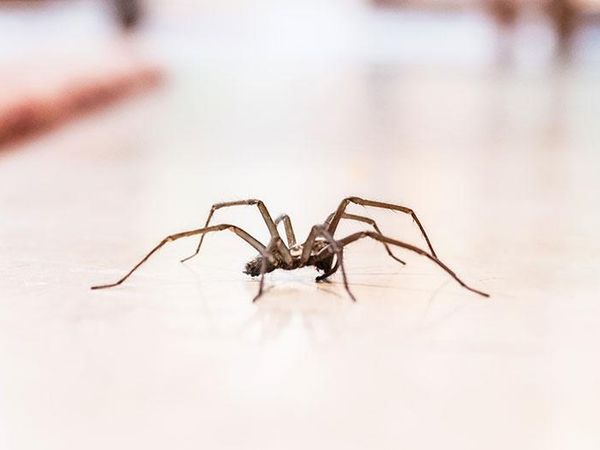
(320, 249)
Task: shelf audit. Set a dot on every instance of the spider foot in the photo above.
(398, 259)
(188, 258)
(324, 277)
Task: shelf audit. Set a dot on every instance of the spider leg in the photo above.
(263, 270)
(289, 230)
(371, 222)
(384, 239)
(333, 223)
(264, 213)
(201, 231)
(307, 247)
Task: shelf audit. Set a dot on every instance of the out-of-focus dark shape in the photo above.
(129, 12)
(27, 115)
(566, 16)
(505, 11)
(83, 70)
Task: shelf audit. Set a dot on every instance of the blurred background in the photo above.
(54, 53)
(122, 121)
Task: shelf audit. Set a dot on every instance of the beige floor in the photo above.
(502, 167)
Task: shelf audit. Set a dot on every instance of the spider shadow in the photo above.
(286, 302)
(289, 304)
(320, 319)
(284, 308)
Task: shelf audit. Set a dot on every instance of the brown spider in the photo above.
(320, 249)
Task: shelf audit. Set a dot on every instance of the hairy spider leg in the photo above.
(265, 215)
(371, 222)
(289, 230)
(381, 238)
(332, 225)
(307, 249)
(201, 231)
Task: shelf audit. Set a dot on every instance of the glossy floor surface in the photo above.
(500, 163)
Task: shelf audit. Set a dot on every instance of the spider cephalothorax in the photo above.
(320, 250)
(321, 258)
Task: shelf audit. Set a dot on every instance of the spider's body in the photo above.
(320, 250)
(321, 258)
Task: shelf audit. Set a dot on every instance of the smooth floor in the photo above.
(499, 161)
